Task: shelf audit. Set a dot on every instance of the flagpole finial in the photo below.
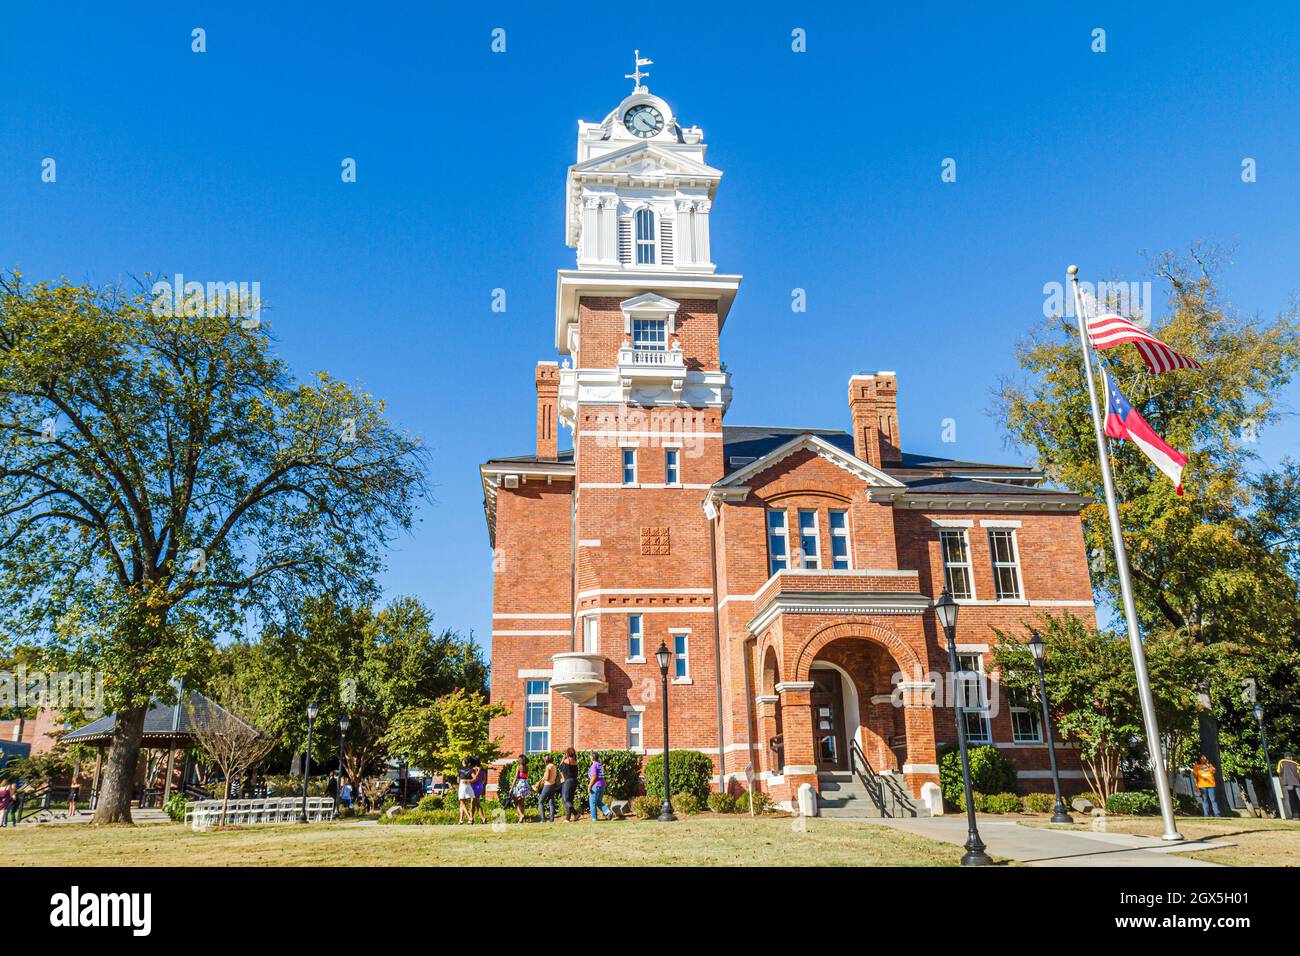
(1072, 270)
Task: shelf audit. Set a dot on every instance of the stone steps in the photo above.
(842, 794)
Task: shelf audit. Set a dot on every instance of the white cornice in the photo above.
(881, 602)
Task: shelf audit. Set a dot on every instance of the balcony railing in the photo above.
(651, 358)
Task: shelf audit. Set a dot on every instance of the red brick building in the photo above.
(790, 571)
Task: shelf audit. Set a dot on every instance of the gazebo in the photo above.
(168, 726)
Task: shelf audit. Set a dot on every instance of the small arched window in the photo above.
(645, 237)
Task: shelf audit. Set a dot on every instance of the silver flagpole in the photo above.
(1125, 582)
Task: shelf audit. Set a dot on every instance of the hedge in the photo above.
(622, 772)
(1133, 802)
(689, 771)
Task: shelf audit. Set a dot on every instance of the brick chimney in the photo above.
(873, 406)
(548, 409)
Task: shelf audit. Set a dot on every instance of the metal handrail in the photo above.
(861, 767)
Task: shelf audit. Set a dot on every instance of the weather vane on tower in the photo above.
(636, 76)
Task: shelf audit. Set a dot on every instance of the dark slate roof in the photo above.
(755, 441)
(973, 486)
(196, 713)
(565, 457)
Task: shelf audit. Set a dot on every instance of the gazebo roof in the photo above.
(197, 712)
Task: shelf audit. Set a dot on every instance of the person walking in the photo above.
(345, 794)
(465, 791)
(548, 788)
(596, 789)
(72, 797)
(569, 784)
(1288, 774)
(7, 797)
(480, 789)
(1203, 773)
(519, 790)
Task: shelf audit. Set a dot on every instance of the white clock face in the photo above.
(643, 120)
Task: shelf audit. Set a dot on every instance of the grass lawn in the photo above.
(704, 840)
(1258, 842)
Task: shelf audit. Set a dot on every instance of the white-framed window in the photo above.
(634, 730)
(809, 540)
(537, 716)
(1026, 727)
(839, 523)
(956, 564)
(681, 656)
(629, 466)
(1006, 564)
(778, 542)
(672, 468)
(645, 237)
(635, 638)
(591, 634)
(650, 335)
(972, 689)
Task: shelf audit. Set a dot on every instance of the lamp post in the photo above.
(1037, 647)
(664, 657)
(312, 711)
(946, 610)
(1268, 761)
(343, 741)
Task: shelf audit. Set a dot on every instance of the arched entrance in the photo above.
(860, 678)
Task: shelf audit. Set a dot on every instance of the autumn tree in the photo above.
(163, 474)
(438, 736)
(1213, 563)
(227, 736)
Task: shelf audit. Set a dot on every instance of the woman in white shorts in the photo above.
(465, 791)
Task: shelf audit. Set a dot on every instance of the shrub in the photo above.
(722, 803)
(283, 785)
(1088, 795)
(686, 803)
(1040, 802)
(762, 802)
(689, 771)
(1002, 803)
(175, 806)
(990, 772)
(421, 818)
(647, 808)
(1133, 802)
(431, 801)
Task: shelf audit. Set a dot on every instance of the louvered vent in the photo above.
(625, 241)
(666, 241)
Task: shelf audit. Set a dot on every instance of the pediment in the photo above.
(646, 159)
(868, 473)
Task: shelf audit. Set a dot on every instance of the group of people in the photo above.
(1288, 777)
(561, 779)
(8, 803)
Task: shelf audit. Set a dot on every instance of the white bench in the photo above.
(201, 814)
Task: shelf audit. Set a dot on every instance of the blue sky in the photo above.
(225, 165)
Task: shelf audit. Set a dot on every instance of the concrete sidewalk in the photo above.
(1042, 846)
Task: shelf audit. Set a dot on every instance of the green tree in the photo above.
(438, 736)
(1091, 689)
(368, 665)
(163, 474)
(1211, 564)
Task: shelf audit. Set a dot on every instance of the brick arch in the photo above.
(902, 653)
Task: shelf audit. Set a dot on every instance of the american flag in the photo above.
(1108, 329)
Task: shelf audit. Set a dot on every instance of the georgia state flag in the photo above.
(1123, 422)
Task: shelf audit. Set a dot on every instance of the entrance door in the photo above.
(828, 719)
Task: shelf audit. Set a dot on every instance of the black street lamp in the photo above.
(343, 741)
(1038, 647)
(312, 711)
(664, 657)
(946, 610)
(1268, 761)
